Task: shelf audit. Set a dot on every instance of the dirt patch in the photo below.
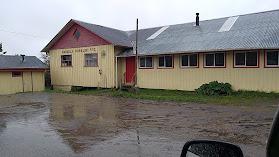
(104, 126)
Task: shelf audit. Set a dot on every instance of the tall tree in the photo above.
(1, 50)
(45, 58)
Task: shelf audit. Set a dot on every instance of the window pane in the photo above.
(87, 56)
(142, 61)
(194, 60)
(209, 59)
(149, 62)
(219, 59)
(64, 57)
(77, 34)
(168, 61)
(272, 58)
(184, 60)
(251, 58)
(95, 56)
(68, 57)
(17, 73)
(91, 59)
(161, 61)
(240, 59)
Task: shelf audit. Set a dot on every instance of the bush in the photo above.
(215, 88)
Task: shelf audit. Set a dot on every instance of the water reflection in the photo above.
(3, 126)
(82, 122)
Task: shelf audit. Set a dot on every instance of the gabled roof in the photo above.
(113, 36)
(8, 62)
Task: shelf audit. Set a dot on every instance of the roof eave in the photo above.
(24, 69)
(200, 51)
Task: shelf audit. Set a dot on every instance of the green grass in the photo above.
(94, 91)
(237, 98)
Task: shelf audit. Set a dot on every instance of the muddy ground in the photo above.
(55, 124)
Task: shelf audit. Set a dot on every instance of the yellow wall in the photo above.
(262, 79)
(11, 85)
(121, 65)
(79, 75)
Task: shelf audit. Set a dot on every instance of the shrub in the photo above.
(215, 88)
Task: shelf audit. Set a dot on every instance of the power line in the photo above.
(36, 36)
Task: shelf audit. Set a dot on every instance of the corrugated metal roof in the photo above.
(250, 31)
(114, 36)
(15, 62)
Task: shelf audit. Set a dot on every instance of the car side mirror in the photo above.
(210, 148)
(273, 139)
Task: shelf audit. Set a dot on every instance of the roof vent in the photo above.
(197, 19)
(153, 36)
(22, 57)
(228, 24)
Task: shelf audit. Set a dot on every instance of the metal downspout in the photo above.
(116, 80)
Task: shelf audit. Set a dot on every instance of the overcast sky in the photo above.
(45, 18)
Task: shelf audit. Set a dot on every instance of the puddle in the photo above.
(55, 124)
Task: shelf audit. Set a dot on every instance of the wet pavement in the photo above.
(55, 124)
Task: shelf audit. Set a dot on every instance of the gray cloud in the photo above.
(45, 18)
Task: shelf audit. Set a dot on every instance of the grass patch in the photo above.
(85, 91)
(236, 98)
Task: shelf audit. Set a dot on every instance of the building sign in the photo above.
(80, 50)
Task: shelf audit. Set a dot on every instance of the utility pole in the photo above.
(136, 75)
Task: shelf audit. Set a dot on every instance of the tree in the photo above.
(1, 50)
(45, 58)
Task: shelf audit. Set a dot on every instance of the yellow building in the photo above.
(21, 74)
(241, 50)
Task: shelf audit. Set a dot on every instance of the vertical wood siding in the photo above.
(262, 79)
(80, 75)
(87, 38)
(11, 85)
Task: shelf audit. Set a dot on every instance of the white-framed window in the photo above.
(214, 59)
(91, 59)
(146, 62)
(272, 58)
(246, 59)
(189, 60)
(165, 61)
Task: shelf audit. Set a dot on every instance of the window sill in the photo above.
(188, 67)
(268, 66)
(214, 67)
(91, 66)
(164, 67)
(146, 68)
(246, 67)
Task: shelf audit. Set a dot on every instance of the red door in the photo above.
(130, 69)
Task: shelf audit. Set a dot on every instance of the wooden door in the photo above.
(27, 81)
(130, 69)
